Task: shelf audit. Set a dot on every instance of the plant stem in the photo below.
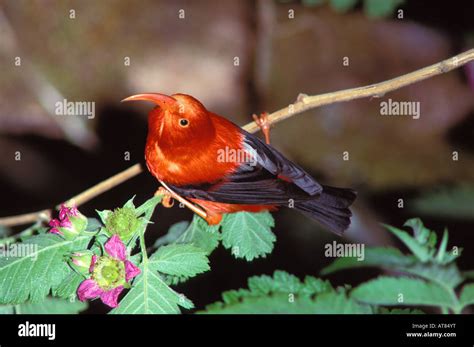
(148, 208)
(143, 247)
(456, 308)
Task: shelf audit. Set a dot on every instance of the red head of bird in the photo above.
(177, 121)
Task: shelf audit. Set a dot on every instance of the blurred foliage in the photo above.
(48, 306)
(96, 55)
(372, 8)
(385, 152)
(285, 293)
(452, 202)
(434, 266)
(436, 279)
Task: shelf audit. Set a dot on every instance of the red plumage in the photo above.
(185, 147)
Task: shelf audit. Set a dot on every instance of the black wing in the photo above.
(257, 182)
(275, 163)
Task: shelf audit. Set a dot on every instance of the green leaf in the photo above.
(451, 202)
(201, 235)
(338, 303)
(174, 232)
(285, 282)
(130, 203)
(343, 5)
(311, 3)
(467, 295)
(401, 292)
(184, 260)
(148, 206)
(444, 275)
(7, 309)
(423, 244)
(419, 250)
(285, 293)
(281, 282)
(51, 306)
(4, 231)
(93, 224)
(33, 276)
(248, 235)
(381, 8)
(68, 287)
(151, 295)
(442, 247)
(326, 303)
(36, 228)
(421, 233)
(314, 285)
(103, 215)
(375, 256)
(393, 259)
(468, 274)
(384, 310)
(275, 304)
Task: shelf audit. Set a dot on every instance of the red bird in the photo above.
(185, 151)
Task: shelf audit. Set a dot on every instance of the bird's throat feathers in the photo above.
(191, 157)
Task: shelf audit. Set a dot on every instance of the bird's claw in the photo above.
(264, 123)
(167, 200)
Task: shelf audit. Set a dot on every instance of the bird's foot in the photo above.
(213, 219)
(167, 200)
(264, 123)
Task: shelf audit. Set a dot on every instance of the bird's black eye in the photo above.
(183, 122)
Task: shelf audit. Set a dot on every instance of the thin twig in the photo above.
(79, 199)
(303, 103)
(104, 186)
(200, 212)
(26, 218)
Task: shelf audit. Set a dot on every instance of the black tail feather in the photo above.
(330, 208)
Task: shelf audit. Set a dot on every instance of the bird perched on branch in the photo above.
(214, 167)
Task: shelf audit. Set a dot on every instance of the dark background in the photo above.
(391, 158)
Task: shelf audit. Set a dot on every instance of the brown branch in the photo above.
(78, 199)
(26, 218)
(303, 103)
(104, 186)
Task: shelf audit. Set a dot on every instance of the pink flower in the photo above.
(69, 224)
(110, 274)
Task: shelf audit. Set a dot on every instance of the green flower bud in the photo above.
(122, 222)
(81, 261)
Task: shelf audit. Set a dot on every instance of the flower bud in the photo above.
(81, 261)
(122, 222)
(70, 223)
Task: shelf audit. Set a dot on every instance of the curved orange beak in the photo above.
(161, 100)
